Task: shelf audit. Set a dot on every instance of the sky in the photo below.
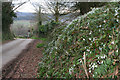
(28, 7)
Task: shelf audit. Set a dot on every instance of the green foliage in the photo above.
(96, 34)
(41, 38)
(85, 7)
(7, 19)
(39, 45)
(47, 28)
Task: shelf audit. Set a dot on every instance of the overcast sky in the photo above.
(28, 7)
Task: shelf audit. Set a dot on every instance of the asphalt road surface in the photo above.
(12, 49)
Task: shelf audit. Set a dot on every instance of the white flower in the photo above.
(95, 72)
(67, 52)
(116, 50)
(101, 62)
(95, 66)
(98, 57)
(83, 39)
(104, 21)
(88, 50)
(110, 36)
(70, 70)
(56, 48)
(100, 48)
(99, 30)
(100, 25)
(112, 42)
(117, 20)
(90, 71)
(89, 65)
(93, 39)
(89, 38)
(103, 57)
(90, 32)
(98, 62)
(104, 45)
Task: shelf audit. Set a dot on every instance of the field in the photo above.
(21, 27)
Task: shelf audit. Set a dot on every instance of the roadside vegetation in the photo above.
(88, 47)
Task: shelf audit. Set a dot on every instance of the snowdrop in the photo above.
(95, 72)
(90, 33)
(101, 62)
(89, 66)
(103, 57)
(112, 42)
(100, 48)
(104, 21)
(88, 50)
(99, 30)
(88, 23)
(93, 39)
(50, 52)
(70, 70)
(66, 51)
(117, 20)
(100, 25)
(94, 66)
(91, 44)
(98, 57)
(116, 12)
(56, 48)
(74, 65)
(90, 39)
(110, 36)
(89, 71)
(116, 50)
(83, 39)
(104, 45)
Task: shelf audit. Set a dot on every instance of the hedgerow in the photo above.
(47, 28)
(87, 47)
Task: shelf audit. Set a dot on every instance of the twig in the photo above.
(84, 65)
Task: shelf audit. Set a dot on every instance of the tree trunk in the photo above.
(6, 34)
(56, 12)
(84, 7)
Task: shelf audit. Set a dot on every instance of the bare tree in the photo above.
(18, 4)
(56, 7)
(38, 12)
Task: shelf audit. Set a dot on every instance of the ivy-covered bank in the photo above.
(87, 47)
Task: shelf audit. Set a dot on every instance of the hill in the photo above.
(25, 16)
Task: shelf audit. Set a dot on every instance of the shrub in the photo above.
(47, 28)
